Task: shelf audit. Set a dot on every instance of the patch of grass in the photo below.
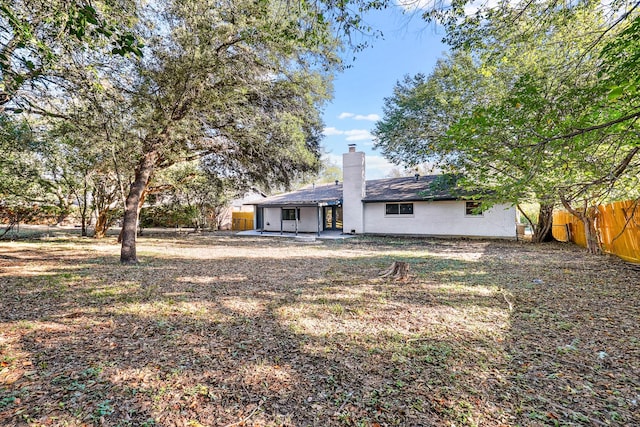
(337, 309)
(215, 330)
(103, 409)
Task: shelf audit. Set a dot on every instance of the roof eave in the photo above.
(429, 199)
(319, 203)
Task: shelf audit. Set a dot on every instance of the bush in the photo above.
(173, 215)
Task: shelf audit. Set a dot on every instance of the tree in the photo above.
(329, 172)
(236, 83)
(24, 195)
(36, 39)
(196, 192)
(558, 117)
(88, 149)
(67, 174)
(542, 126)
(34, 35)
(424, 110)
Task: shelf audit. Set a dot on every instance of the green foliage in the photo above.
(621, 65)
(21, 169)
(170, 215)
(84, 19)
(239, 84)
(537, 103)
(186, 195)
(37, 34)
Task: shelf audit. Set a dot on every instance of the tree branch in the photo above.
(593, 128)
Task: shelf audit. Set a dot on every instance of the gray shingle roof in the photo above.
(408, 189)
(427, 187)
(313, 195)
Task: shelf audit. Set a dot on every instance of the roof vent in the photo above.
(352, 148)
(337, 182)
(417, 176)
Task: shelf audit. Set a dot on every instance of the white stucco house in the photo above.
(390, 206)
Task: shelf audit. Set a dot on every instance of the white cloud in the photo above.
(413, 5)
(351, 135)
(376, 166)
(470, 8)
(335, 159)
(368, 117)
(358, 135)
(332, 131)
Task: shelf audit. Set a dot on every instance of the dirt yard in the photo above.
(230, 331)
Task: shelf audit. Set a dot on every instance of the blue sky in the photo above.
(409, 46)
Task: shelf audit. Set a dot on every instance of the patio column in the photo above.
(319, 219)
(296, 213)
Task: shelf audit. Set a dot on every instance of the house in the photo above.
(390, 206)
(242, 212)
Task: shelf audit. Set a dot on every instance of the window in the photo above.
(406, 208)
(399, 209)
(473, 209)
(290, 214)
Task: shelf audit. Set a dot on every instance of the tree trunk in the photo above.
(590, 233)
(64, 206)
(542, 230)
(587, 215)
(62, 216)
(130, 221)
(102, 224)
(83, 225)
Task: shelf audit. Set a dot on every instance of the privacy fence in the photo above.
(617, 224)
(241, 221)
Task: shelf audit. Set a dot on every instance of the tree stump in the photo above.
(399, 270)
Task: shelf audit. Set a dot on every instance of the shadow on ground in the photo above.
(270, 332)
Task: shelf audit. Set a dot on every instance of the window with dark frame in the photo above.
(473, 209)
(399, 209)
(406, 208)
(290, 214)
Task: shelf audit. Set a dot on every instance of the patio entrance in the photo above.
(332, 217)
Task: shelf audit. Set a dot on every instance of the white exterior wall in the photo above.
(441, 218)
(307, 223)
(353, 191)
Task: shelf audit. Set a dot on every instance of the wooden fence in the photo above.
(618, 226)
(241, 221)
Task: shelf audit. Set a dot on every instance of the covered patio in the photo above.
(313, 210)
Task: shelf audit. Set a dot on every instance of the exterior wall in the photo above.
(353, 190)
(442, 218)
(307, 223)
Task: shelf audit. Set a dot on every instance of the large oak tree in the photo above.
(545, 111)
(237, 82)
